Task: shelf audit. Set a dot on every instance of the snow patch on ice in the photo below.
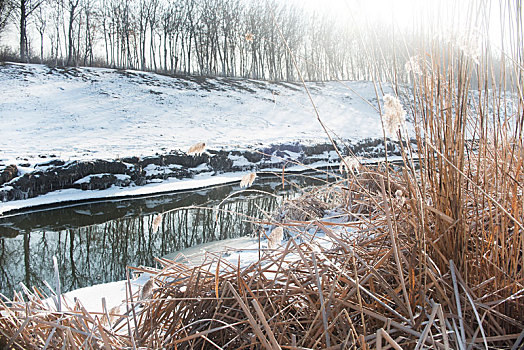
(244, 251)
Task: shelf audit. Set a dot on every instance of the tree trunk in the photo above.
(70, 36)
(105, 39)
(23, 32)
(41, 47)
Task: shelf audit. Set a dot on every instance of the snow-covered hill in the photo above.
(79, 113)
(54, 120)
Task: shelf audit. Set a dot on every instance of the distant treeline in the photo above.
(238, 38)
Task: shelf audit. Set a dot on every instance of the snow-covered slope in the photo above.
(85, 113)
(70, 134)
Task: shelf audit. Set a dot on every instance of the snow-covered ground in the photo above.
(86, 113)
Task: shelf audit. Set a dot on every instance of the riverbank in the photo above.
(69, 114)
(60, 182)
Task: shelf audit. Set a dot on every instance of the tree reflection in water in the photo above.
(95, 242)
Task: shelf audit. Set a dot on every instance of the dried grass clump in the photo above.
(427, 256)
(307, 207)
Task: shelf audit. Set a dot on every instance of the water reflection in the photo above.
(95, 242)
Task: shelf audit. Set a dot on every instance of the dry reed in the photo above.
(304, 295)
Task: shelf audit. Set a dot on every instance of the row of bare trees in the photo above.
(256, 39)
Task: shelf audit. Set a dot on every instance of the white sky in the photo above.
(374, 9)
(440, 15)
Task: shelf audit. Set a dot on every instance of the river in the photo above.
(94, 242)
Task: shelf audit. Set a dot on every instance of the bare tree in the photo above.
(41, 23)
(72, 6)
(208, 37)
(56, 21)
(6, 8)
(26, 9)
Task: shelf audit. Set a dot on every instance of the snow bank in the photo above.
(63, 115)
(75, 195)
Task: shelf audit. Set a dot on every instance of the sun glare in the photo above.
(440, 17)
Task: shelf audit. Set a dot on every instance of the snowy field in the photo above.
(88, 113)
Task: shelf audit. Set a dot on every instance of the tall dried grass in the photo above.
(468, 191)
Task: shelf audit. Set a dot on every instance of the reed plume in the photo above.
(157, 221)
(394, 115)
(275, 237)
(248, 179)
(197, 149)
(350, 164)
(147, 290)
